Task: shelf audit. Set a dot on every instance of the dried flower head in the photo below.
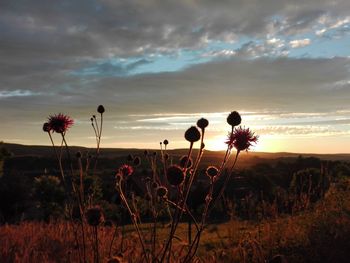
(166, 142)
(234, 118)
(46, 127)
(78, 154)
(129, 158)
(212, 171)
(100, 109)
(183, 161)
(137, 161)
(94, 216)
(192, 134)
(202, 123)
(175, 175)
(59, 122)
(155, 185)
(162, 191)
(241, 139)
(125, 170)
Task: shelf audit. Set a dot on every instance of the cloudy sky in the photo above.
(158, 66)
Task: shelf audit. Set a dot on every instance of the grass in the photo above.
(320, 234)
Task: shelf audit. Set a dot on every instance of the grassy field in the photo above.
(320, 234)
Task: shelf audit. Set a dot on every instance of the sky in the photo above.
(158, 66)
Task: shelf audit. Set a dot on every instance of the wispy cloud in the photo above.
(300, 43)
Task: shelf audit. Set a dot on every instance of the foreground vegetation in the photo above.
(320, 234)
(158, 208)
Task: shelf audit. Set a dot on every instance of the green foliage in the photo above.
(50, 194)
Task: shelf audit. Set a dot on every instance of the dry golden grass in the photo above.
(319, 235)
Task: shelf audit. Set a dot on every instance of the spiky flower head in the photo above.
(125, 170)
(166, 142)
(46, 127)
(94, 216)
(175, 175)
(241, 139)
(202, 123)
(162, 191)
(192, 134)
(212, 171)
(183, 161)
(60, 123)
(234, 118)
(100, 109)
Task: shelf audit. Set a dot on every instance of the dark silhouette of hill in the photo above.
(210, 157)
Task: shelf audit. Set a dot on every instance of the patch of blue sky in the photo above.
(331, 44)
(157, 63)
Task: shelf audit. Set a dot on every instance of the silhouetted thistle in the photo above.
(234, 118)
(241, 139)
(202, 123)
(94, 216)
(192, 134)
(212, 171)
(129, 158)
(155, 185)
(183, 161)
(161, 191)
(46, 127)
(166, 142)
(59, 122)
(125, 170)
(100, 109)
(175, 175)
(137, 161)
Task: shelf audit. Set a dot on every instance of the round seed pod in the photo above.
(46, 127)
(94, 216)
(129, 158)
(100, 109)
(166, 142)
(202, 123)
(137, 161)
(175, 175)
(192, 134)
(183, 161)
(212, 171)
(162, 191)
(234, 118)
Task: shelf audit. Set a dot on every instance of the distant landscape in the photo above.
(284, 202)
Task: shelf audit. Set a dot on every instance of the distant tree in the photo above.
(50, 194)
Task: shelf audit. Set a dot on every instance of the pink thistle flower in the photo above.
(125, 170)
(59, 122)
(241, 139)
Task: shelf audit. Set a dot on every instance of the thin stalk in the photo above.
(225, 183)
(133, 218)
(96, 245)
(112, 241)
(78, 196)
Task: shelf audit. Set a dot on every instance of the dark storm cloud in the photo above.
(86, 28)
